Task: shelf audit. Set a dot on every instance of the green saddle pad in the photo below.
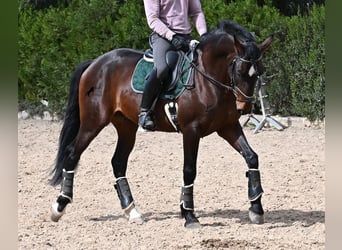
(143, 69)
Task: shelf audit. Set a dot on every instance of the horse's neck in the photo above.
(218, 72)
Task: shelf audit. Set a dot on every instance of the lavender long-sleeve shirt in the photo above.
(167, 17)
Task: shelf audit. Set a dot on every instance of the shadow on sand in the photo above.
(278, 218)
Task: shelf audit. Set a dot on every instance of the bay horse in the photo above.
(227, 67)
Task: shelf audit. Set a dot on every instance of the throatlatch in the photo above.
(254, 184)
(124, 192)
(187, 198)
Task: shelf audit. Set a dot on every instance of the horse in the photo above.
(226, 70)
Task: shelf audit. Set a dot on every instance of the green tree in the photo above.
(306, 65)
(131, 29)
(52, 41)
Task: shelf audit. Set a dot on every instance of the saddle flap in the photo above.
(175, 61)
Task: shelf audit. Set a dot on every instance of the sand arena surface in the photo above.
(292, 171)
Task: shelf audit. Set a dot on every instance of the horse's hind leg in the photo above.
(237, 139)
(72, 156)
(126, 131)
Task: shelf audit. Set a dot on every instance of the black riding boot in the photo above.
(150, 95)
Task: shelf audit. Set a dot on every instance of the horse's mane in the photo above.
(235, 29)
(238, 32)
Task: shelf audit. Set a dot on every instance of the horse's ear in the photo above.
(265, 44)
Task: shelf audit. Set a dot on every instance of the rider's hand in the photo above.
(180, 43)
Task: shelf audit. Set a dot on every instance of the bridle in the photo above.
(232, 72)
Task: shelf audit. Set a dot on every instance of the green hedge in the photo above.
(54, 40)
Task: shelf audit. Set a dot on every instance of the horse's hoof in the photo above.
(55, 214)
(256, 218)
(193, 225)
(191, 222)
(134, 216)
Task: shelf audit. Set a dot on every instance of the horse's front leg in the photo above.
(237, 139)
(190, 150)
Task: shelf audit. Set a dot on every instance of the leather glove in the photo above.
(180, 43)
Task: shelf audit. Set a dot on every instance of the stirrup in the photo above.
(145, 121)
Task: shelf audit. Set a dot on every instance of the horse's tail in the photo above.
(71, 123)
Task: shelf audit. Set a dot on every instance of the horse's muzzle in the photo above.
(244, 107)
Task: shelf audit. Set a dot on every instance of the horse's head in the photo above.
(246, 69)
(233, 45)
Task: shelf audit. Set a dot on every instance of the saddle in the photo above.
(177, 80)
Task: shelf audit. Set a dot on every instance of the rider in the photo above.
(171, 29)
